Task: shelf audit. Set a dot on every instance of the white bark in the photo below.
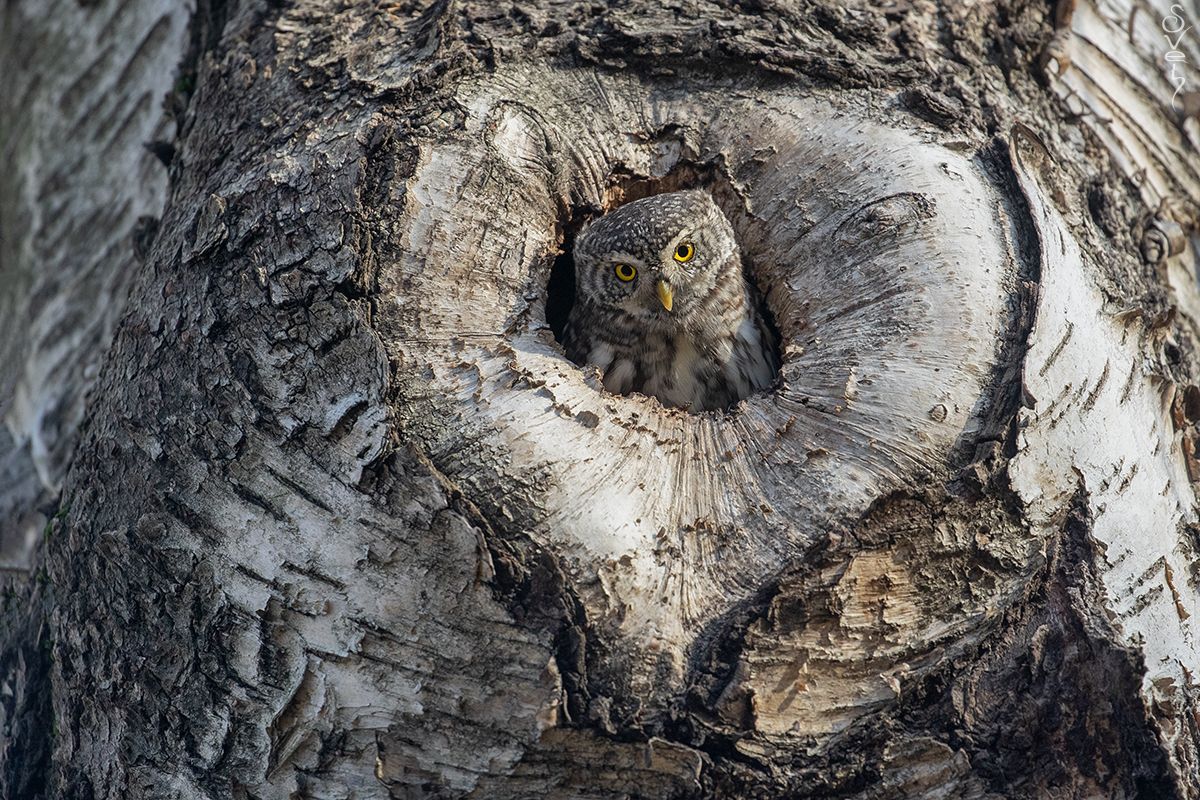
(885, 260)
(82, 93)
(1101, 423)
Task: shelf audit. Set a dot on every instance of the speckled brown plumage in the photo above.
(711, 348)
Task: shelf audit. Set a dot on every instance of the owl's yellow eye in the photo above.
(625, 272)
(684, 252)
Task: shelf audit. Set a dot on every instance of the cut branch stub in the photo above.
(884, 263)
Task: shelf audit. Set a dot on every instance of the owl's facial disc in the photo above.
(675, 243)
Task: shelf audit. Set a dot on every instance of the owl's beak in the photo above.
(664, 294)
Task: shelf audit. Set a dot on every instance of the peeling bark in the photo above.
(300, 496)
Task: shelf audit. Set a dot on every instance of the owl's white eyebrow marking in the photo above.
(620, 255)
(686, 235)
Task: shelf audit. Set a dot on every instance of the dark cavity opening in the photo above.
(560, 291)
(560, 288)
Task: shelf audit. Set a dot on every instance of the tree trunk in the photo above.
(299, 496)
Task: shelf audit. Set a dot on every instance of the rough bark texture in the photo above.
(300, 497)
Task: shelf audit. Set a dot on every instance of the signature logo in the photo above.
(1174, 27)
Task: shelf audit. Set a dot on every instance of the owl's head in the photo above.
(656, 258)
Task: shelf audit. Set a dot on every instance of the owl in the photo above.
(662, 306)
